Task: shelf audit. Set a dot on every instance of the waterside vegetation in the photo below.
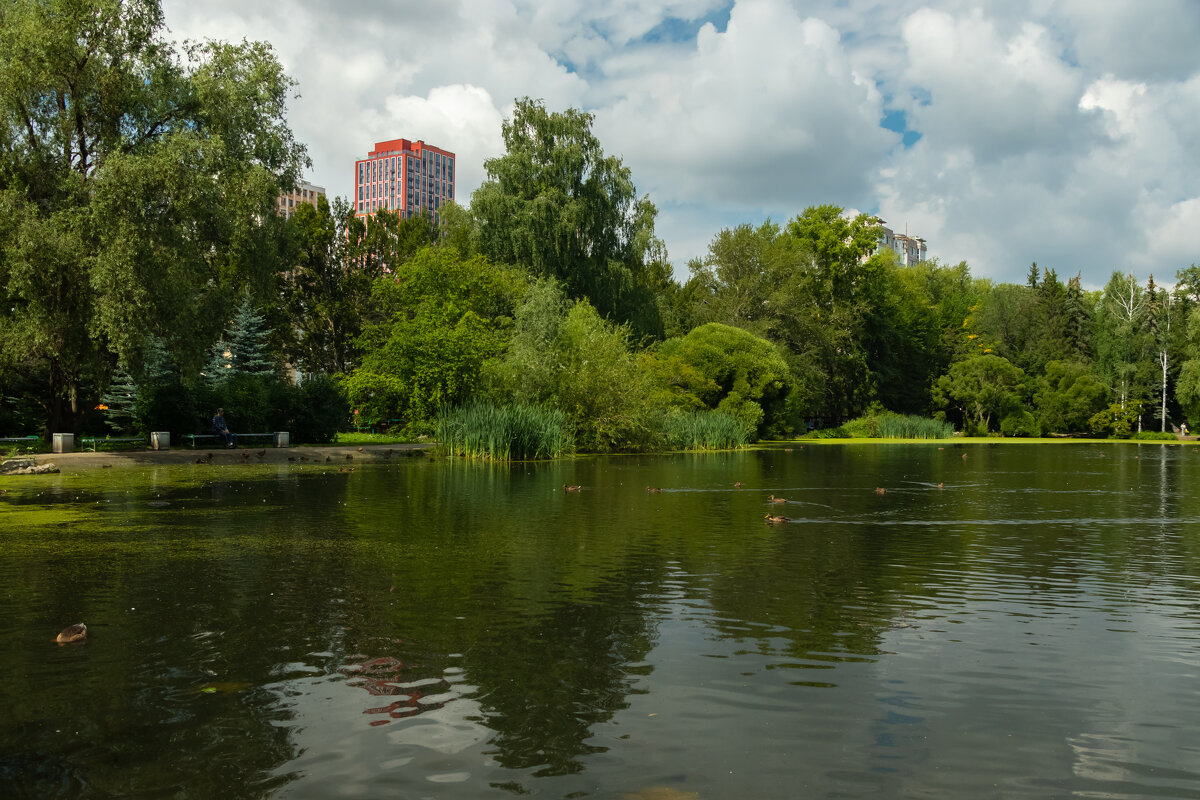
(146, 278)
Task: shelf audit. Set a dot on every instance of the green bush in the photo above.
(1020, 423)
(1154, 436)
(320, 409)
(516, 432)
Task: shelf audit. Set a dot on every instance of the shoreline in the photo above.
(82, 461)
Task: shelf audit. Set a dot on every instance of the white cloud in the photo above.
(1061, 131)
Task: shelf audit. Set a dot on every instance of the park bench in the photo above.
(192, 438)
(96, 441)
(29, 441)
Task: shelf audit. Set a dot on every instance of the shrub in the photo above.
(1154, 436)
(1020, 423)
(320, 409)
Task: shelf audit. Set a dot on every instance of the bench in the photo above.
(96, 441)
(30, 441)
(192, 438)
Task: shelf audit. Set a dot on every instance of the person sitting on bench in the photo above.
(221, 429)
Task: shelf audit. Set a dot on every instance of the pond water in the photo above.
(1002, 621)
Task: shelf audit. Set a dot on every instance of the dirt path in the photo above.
(79, 462)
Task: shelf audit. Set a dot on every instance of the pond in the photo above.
(1001, 620)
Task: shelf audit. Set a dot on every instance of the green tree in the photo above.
(443, 317)
(555, 203)
(243, 348)
(329, 288)
(1068, 395)
(731, 370)
(983, 388)
(136, 188)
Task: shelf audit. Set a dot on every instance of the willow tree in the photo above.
(556, 204)
(137, 186)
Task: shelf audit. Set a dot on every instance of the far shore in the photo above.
(82, 461)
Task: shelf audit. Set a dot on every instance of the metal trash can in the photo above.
(62, 442)
(160, 440)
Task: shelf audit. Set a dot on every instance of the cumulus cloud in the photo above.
(1060, 131)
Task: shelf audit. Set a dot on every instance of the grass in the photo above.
(354, 438)
(704, 430)
(888, 426)
(517, 432)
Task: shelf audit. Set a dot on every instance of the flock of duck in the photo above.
(773, 519)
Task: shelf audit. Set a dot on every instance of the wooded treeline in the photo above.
(145, 277)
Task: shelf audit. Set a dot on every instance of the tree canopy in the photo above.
(137, 187)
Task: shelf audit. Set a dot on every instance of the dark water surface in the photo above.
(431, 628)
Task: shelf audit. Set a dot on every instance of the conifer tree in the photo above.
(243, 349)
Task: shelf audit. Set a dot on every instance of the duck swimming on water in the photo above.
(75, 633)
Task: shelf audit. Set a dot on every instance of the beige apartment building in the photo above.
(304, 192)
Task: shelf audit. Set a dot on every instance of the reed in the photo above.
(896, 426)
(516, 432)
(704, 430)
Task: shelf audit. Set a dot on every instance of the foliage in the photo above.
(516, 432)
(554, 202)
(1020, 423)
(443, 317)
(1154, 436)
(328, 290)
(910, 426)
(982, 388)
(599, 384)
(136, 189)
(728, 369)
(704, 430)
(319, 410)
(881, 424)
(1067, 396)
(1117, 421)
(243, 349)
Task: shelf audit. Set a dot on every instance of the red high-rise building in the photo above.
(408, 177)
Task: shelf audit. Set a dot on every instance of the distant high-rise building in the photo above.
(404, 176)
(910, 249)
(304, 192)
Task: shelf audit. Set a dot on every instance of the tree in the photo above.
(443, 317)
(329, 288)
(136, 189)
(1068, 395)
(555, 203)
(983, 388)
(730, 370)
(243, 350)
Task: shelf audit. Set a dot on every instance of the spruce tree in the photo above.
(243, 349)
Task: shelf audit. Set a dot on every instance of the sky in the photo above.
(1065, 132)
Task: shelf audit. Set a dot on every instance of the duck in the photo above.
(941, 486)
(880, 490)
(653, 489)
(737, 485)
(775, 519)
(73, 634)
(261, 453)
(567, 488)
(773, 499)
